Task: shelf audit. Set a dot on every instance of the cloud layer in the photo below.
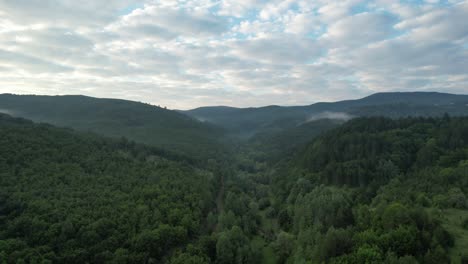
(189, 53)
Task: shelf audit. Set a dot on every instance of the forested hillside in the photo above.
(272, 146)
(67, 197)
(367, 190)
(140, 122)
(377, 190)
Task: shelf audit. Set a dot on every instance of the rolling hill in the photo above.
(140, 122)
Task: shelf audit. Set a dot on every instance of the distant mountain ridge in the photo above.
(249, 121)
(199, 131)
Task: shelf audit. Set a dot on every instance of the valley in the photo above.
(382, 179)
(234, 132)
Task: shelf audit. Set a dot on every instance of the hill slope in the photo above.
(68, 197)
(378, 190)
(272, 146)
(117, 118)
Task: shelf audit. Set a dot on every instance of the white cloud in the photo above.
(239, 8)
(155, 20)
(302, 23)
(277, 50)
(360, 29)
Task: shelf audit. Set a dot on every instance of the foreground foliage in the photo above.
(372, 191)
(75, 198)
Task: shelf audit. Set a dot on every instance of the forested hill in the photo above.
(273, 146)
(377, 190)
(364, 190)
(68, 197)
(351, 153)
(119, 118)
(245, 122)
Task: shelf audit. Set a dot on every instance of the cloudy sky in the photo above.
(188, 53)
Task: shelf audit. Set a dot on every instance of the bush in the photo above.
(465, 224)
(464, 259)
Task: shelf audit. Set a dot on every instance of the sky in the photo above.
(189, 53)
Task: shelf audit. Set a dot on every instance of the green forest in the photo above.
(364, 190)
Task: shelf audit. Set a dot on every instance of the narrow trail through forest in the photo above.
(219, 202)
(219, 198)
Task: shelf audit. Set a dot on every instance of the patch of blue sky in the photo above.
(251, 15)
(317, 33)
(446, 3)
(397, 33)
(413, 2)
(214, 9)
(235, 20)
(440, 3)
(387, 13)
(317, 58)
(129, 9)
(392, 20)
(294, 7)
(360, 8)
(236, 36)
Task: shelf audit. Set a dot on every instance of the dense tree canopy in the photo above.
(76, 198)
(371, 190)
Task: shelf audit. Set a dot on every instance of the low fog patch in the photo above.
(201, 119)
(8, 112)
(330, 115)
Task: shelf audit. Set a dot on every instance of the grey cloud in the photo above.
(360, 29)
(64, 12)
(147, 31)
(59, 38)
(50, 36)
(446, 26)
(203, 63)
(283, 49)
(30, 63)
(57, 46)
(402, 55)
(170, 22)
(421, 59)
